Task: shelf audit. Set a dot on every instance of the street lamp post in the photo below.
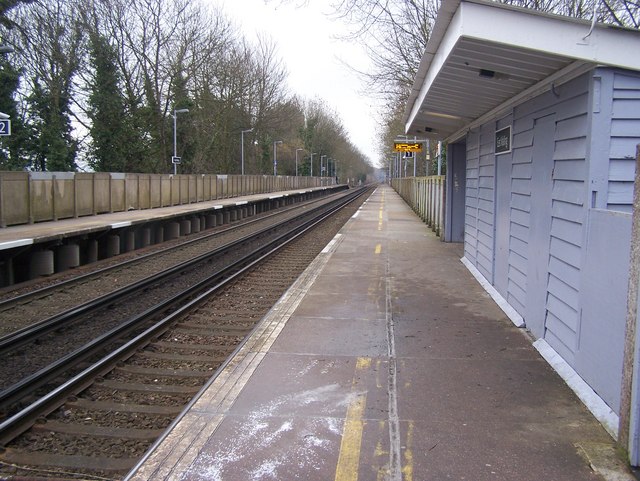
(242, 149)
(175, 160)
(315, 153)
(297, 150)
(275, 157)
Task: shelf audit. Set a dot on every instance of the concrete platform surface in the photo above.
(385, 361)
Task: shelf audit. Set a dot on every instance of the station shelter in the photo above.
(541, 117)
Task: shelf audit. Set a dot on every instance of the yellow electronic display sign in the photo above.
(407, 146)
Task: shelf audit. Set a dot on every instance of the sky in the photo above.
(314, 58)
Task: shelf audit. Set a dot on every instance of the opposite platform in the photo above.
(27, 234)
(385, 361)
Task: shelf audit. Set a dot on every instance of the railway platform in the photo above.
(31, 251)
(386, 360)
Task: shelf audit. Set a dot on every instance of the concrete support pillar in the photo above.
(211, 221)
(91, 251)
(220, 218)
(67, 257)
(8, 274)
(129, 240)
(113, 246)
(171, 231)
(245, 212)
(159, 234)
(185, 227)
(195, 225)
(227, 217)
(41, 264)
(145, 237)
(234, 215)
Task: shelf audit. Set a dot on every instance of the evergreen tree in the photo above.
(53, 148)
(110, 135)
(11, 147)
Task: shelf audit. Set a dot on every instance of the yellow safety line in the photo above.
(407, 469)
(378, 248)
(349, 457)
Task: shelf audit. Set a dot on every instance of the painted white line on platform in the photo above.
(275, 197)
(219, 206)
(330, 246)
(118, 225)
(594, 403)
(511, 313)
(242, 202)
(356, 214)
(15, 243)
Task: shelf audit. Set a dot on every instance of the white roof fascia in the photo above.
(447, 9)
(552, 34)
(442, 41)
(519, 28)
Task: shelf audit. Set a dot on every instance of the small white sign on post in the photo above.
(5, 124)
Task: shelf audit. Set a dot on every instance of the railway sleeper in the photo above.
(40, 459)
(98, 431)
(148, 371)
(163, 356)
(192, 347)
(106, 406)
(150, 388)
(216, 327)
(205, 331)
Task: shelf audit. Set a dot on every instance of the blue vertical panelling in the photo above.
(471, 198)
(520, 208)
(625, 135)
(479, 208)
(567, 221)
(486, 187)
(569, 105)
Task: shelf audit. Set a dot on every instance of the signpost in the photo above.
(5, 127)
(407, 146)
(5, 124)
(503, 140)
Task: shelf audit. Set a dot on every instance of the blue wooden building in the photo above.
(541, 115)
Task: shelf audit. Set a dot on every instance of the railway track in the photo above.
(24, 306)
(53, 345)
(114, 410)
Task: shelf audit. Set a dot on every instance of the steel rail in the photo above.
(49, 402)
(27, 334)
(6, 304)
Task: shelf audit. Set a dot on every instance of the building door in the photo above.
(540, 224)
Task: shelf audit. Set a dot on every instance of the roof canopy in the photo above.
(484, 57)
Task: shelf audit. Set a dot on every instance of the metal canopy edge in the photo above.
(483, 57)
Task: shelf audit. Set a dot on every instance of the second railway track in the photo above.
(102, 431)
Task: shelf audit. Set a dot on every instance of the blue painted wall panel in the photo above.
(568, 294)
(570, 254)
(521, 202)
(593, 131)
(625, 135)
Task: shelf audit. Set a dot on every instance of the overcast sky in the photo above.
(313, 56)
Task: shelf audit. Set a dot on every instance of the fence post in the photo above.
(628, 422)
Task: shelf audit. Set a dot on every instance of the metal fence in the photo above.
(28, 197)
(426, 196)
